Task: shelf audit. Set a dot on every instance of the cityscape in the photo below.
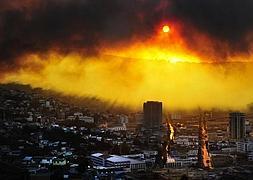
(126, 90)
(44, 136)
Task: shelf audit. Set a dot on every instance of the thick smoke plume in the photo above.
(86, 26)
(228, 23)
(116, 49)
(80, 25)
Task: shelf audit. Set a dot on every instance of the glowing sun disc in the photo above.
(166, 29)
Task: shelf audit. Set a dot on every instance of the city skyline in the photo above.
(51, 136)
(126, 89)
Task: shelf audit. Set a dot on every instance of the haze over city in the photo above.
(110, 49)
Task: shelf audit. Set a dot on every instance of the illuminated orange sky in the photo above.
(121, 51)
(149, 70)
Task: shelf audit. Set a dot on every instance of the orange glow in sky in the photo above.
(161, 67)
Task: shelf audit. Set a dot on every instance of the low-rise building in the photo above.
(244, 146)
(128, 164)
(86, 119)
(176, 162)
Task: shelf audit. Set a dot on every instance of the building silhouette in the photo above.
(237, 125)
(152, 114)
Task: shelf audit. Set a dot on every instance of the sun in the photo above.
(166, 29)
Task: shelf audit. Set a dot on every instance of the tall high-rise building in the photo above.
(237, 125)
(152, 114)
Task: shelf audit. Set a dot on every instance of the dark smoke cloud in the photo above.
(37, 26)
(224, 20)
(71, 25)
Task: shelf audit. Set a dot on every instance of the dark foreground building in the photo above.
(237, 125)
(152, 114)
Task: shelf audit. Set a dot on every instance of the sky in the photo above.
(118, 50)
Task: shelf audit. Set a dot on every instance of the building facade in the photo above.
(152, 114)
(237, 125)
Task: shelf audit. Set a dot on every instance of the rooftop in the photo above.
(115, 158)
